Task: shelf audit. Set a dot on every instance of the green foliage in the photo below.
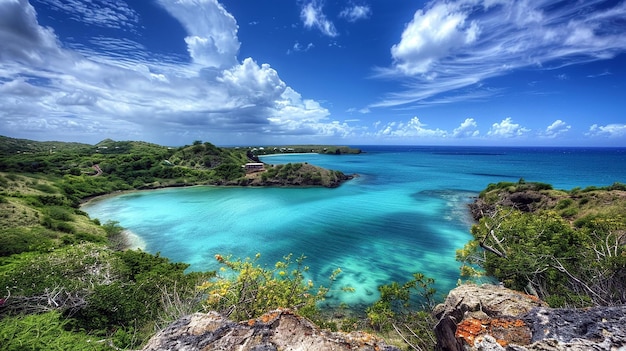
(101, 291)
(46, 331)
(543, 254)
(393, 311)
(511, 187)
(59, 213)
(46, 188)
(71, 267)
(229, 171)
(18, 240)
(137, 296)
(246, 290)
(395, 300)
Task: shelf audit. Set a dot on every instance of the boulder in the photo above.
(490, 317)
(276, 330)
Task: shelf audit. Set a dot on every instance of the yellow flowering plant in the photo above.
(243, 289)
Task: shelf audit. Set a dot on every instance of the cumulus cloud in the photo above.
(22, 39)
(614, 130)
(93, 92)
(449, 45)
(432, 35)
(355, 13)
(413, 128)
(312, 16)
(467, 129)
(507, 129)
(212, 32)
(557, 128)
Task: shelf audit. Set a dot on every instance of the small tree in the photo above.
(393, 311)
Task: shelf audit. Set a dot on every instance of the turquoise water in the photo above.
(406, 212)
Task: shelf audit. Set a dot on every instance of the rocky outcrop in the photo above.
(276, 330)
(525, 201)
(491, 317)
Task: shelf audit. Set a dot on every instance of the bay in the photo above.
(406, 212)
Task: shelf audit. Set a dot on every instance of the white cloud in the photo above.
(467, 129)
(297, 47)
(312, 16)
(212, 31)
(90, 93)
(614, 130)
(507, 129)
(432, 35)
(21, 38)
(557, 128)
(449, 45)
(104, 13)
(293, 115)
(355, 13)
(413, 128)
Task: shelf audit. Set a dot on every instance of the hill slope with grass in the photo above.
(566, 247)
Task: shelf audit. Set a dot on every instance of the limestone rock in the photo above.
(471, 311)
(492, 318)
(276, 330)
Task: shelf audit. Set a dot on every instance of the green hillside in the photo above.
(65, 272)
(566, 247)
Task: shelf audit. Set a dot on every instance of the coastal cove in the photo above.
(406, 212)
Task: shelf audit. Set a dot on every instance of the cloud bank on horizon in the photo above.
(466, 72)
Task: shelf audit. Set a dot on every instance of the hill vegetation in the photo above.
(68, 272)
(566, 247)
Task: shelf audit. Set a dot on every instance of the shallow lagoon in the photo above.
(405, 213)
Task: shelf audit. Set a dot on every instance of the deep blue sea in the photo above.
(406, 212)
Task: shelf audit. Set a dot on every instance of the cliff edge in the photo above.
(493, 318)
(472, 318)
(276, 330)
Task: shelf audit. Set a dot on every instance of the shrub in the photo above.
(46, 331)
(18, 240)
(564, 204)
(59, 214)
(393, 311)
(45, 188)
(249, 290)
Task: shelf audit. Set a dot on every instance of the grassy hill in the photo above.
(567, 247)
(64, 271)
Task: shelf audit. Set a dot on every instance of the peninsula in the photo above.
(110, 166)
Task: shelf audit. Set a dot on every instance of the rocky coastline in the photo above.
(472, 318)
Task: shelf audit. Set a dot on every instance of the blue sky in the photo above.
(464, 72)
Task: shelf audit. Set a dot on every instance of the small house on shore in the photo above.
(253, 167)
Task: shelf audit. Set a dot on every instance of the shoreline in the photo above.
(288, 154)
(132, 241)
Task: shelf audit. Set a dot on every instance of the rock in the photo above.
(276, 330)
(471, 311)
(597, 328)
(493, 318)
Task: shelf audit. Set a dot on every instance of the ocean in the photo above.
(405, 212)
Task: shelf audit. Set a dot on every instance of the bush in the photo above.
(46, 331)
(564, 204)
(249, 290)
(393, 311)
(59, 214)
(18, 240)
